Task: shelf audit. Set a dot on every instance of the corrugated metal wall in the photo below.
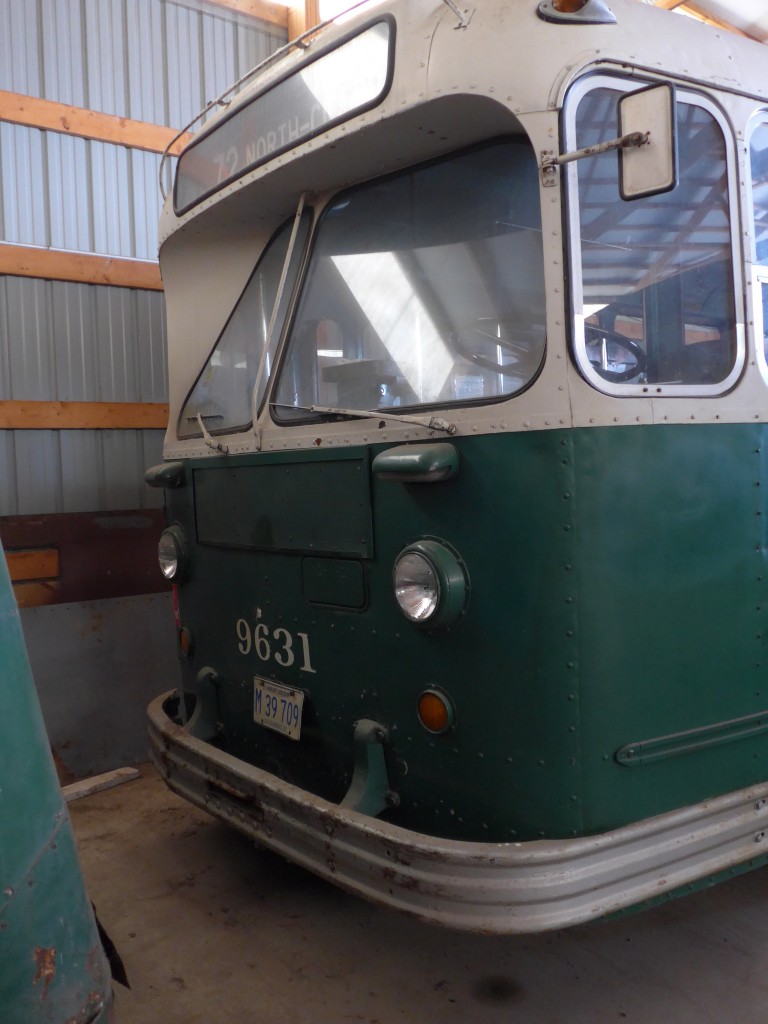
(77, 342)
(81, 492)
(69, 193)
(157, 61)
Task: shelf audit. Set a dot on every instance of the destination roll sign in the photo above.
(344, 81)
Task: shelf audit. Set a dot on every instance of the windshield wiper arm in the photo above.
(430, 422)
(217, 446)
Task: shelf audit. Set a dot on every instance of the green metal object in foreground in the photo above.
(52, 964)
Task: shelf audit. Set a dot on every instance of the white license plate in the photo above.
(277, 707)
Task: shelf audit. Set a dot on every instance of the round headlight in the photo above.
(430, 584)
(416, 587)
(172, 553)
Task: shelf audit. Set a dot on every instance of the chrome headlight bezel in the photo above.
(172, 554)
(444, 580)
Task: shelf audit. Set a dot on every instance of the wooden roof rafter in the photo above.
(260, 10)
(295, 17)
(695, 11)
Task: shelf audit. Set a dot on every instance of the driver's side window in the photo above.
(656, 312)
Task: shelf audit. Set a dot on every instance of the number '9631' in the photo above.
(278, 645)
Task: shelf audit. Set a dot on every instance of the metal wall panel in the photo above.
(37, 484)
(146, 201)
(152, 60)
(44, 472)
(70, 193)
(67, 175)
(146, 62)
(19, 48)
(76, 342)
(72, 342)
(112, 201)
(8, 496)
(52, 471)
(60, 51)
(22, 183)
(158, 61)
(105, 55)
(182, 31)
(83, 488)
(25, 317)
(94, 679)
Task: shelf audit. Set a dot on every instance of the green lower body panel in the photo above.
(608, 663)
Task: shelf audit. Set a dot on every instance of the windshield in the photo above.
(223, 394)
(423, 289)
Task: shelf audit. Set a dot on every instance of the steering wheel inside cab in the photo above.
(613, 356)
(512, 346)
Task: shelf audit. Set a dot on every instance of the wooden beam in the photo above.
(708, 19)
(262, 10)
(84, 268)
(126, 541)
(86, 787)
(36, 595)
(33, 564)
(302, 16)
(87, 124)
(699, 15)
(23, 415)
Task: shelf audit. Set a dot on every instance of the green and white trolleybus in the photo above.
(466, 475)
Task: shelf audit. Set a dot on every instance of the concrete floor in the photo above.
(213, 930)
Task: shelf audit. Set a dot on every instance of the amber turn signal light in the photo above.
(435, 711)
(186, 644)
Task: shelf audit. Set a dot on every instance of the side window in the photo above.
(758, 153)
(656, 310)
(223, 393)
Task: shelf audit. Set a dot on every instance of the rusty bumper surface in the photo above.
(484, 887)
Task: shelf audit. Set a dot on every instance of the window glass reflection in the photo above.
(657, 279)
(422, 289)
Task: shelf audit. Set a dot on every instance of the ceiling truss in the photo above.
(732, 15)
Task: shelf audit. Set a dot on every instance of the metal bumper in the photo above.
(485, 887)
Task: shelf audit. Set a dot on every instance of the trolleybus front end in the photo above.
(483, 887)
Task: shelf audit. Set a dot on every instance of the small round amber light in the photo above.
(435, 711)
(568, 6)
(185, 642)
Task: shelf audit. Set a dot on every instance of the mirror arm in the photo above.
(633, 140)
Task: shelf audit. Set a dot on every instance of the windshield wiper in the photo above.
(430, 422)
(217, 446)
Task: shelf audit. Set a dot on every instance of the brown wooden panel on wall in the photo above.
(18, 414)
(48, 115)
(99, 554)
(262, 10)
(32, 564)
(81, 267)
(303, 16)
